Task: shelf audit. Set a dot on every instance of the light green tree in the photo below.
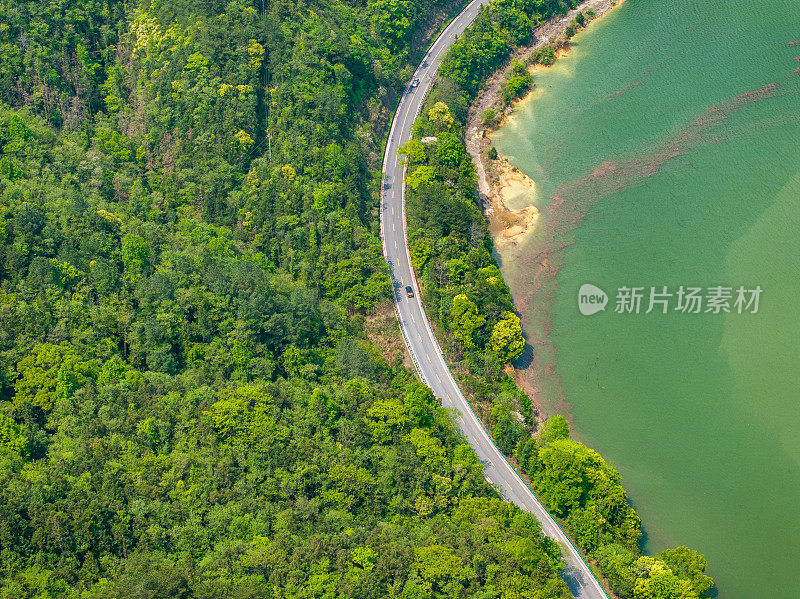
(51, 372)
(565, 472)
(391, 19)
(429, 448)
(660, 582)
(12, 438)
(688, 563)
(555, 427)
(450, 151)
(243, 419)
(419, 402)
(465, 319)
(436, 562)
(364, 557)
(422, 175)
(440, 116)
(413, 150)
(506, 340)
(421, 250)
(456, 268)
(384, 417)
(135, 253)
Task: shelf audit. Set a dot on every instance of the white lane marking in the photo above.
(489, 480)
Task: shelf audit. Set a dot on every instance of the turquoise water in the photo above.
(666, 151)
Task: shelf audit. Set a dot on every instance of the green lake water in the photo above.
(666, 151)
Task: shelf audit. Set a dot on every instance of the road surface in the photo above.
(422, 344)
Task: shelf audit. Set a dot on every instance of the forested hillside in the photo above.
(192, 402)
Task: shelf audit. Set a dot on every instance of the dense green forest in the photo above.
(192, 401)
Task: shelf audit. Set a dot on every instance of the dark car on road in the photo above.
(409, 291)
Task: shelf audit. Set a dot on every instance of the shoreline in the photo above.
(509, 226)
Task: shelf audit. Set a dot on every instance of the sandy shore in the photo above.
(506, 225)
(498, 178)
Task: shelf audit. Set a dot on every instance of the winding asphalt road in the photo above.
(422, 344)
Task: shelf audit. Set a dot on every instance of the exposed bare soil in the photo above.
(510, 226)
